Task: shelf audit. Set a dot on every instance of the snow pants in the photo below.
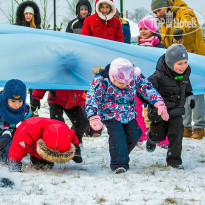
(173, 128)
(76, 115)
(123, 137)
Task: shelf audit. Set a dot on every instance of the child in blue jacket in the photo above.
(111, 100)
(13, 109)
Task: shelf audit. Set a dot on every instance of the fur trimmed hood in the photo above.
(20, 14)
(112, 12)
(54, 155)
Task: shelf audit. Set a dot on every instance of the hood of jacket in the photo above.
(82, 2)
(20, 20)
(112, 12)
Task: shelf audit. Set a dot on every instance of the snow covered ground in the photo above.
(149, 181)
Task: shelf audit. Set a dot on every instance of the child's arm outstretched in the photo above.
(93, 99)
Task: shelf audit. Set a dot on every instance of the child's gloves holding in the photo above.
(162, 110)
(191, 101)
(15, 166)
(96, 123)
(35, 104)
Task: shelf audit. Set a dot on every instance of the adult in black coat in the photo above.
(83, 9)
(171, 80)
(31, 8)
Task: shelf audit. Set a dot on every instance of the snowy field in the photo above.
(148, 181)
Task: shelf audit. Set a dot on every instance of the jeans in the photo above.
(196, 115)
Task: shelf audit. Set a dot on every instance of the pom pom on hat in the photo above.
(29, 9)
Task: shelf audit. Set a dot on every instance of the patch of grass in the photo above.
(169, 201)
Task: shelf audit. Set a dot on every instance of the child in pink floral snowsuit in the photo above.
(111, 100)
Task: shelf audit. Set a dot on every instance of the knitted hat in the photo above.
(122, 70)
(55, 144)
(157, 4)
(14, 89)
(29, 9)
(84, 6)
(148, 22)
(174, 53)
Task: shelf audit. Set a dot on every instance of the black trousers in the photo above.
(174, 129)
(76, 115)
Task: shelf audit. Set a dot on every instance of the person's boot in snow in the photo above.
(77, 157)
(164, 144)
(120, 170)
(198, 134)
(150, 147)
(176, 166)
(5, 182)
(187, 132)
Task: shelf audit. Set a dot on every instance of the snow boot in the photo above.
(176, 166)
(198, 134)
(150, 147)
(187, 132)
(120, 170)
(77, 157)
(164, 144)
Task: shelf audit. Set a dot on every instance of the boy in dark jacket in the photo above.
(83, 9)
(171, 80)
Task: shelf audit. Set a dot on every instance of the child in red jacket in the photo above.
(47, 141)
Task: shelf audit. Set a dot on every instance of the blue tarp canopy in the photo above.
(59, 60)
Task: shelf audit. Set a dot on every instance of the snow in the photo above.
(148, 181)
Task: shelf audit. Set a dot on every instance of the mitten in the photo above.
(5, 182)
(96, 123)
(15, 166)
(35, 104)
(191, 101)
(162, 110)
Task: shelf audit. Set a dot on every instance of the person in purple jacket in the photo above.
(111, 101)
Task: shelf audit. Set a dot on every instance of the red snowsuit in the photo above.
(55, 134)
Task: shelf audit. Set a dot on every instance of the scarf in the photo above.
(151, 42)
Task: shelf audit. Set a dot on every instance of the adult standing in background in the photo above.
(28, 15)
(175, 14)
(83, 9)
(103, 24)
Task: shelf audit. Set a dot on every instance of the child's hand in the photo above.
(191, 101)
(162, 110)
(96, 123)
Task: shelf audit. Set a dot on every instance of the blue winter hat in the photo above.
(14, 89)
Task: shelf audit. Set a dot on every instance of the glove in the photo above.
(15, 166)
(5, 139)
(35, 104)
(162, 110)
(96, 123)
(5, 182)
(191, 101)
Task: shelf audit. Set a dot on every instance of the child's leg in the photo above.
(133, 133)
(56, 112)
(140, 119)
(40, 163)
(175, 135)
(79, 120)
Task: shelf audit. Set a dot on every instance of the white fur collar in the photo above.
(112, 12)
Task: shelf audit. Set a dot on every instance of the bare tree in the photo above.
(138, 14)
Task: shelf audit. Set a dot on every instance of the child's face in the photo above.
(181, 66)
(105, 9)
(15, 104)
(28, 16)
(145, 33)
(120, 85)
(83, 12)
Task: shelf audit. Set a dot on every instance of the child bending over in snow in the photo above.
(47, 141)
(13, 110)
(171, 80)
(111, 100)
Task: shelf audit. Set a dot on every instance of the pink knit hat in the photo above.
(148, 22)
(122, 70)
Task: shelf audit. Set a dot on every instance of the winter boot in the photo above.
(187, 132)
(77, 157)
(120, 170)
(198, 134)
(150, 147)
(176, 166)
(164, 144)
